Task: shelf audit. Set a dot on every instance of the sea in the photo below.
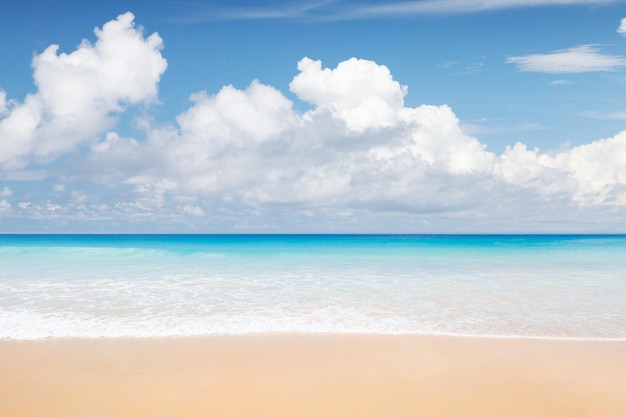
(104, 286)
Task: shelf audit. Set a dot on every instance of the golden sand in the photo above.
(312, 375)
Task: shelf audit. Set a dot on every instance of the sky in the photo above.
(324, 116)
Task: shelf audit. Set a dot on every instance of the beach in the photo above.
(312, 326)
(312, 375)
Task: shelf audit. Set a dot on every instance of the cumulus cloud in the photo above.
(79, 93)
(584, 58)
(622, 27)
(359, 146)
(593, 174)
(599, 169)
(360, 92)
(248, 154)
(235, 117)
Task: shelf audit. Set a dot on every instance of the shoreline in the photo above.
(312, 375)
(263, 334)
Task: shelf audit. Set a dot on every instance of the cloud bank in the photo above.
(247, 158)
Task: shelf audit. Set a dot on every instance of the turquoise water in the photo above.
(183, 285)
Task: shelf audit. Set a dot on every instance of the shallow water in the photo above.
(182, 285)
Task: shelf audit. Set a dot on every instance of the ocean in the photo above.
(95, 286)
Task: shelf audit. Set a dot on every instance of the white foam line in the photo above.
(329, 333)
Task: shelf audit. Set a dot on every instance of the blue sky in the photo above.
(419, 117)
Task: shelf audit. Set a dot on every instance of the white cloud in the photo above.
(359, 145)
(599, 168)
(248, 158)
(78, 93)
(453, 6)
(3, 102)
(250, 147)
(619, 115)
(5, 206)
(51, 206)
(584, 58)
(6, 192)
(360, 92)
(622, 27)
(193, 210)
(78, 196)
(531, 168)
(592, 174)
(236, 117)
(286, 10)
(334, 10)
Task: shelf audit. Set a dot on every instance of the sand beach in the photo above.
(312, 375)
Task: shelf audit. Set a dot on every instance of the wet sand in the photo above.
(312, 375)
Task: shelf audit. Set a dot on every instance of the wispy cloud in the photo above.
(285, 11)
(619, 115)
(458, 6)
(463, 68)
(584, 58)
(334, 10)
